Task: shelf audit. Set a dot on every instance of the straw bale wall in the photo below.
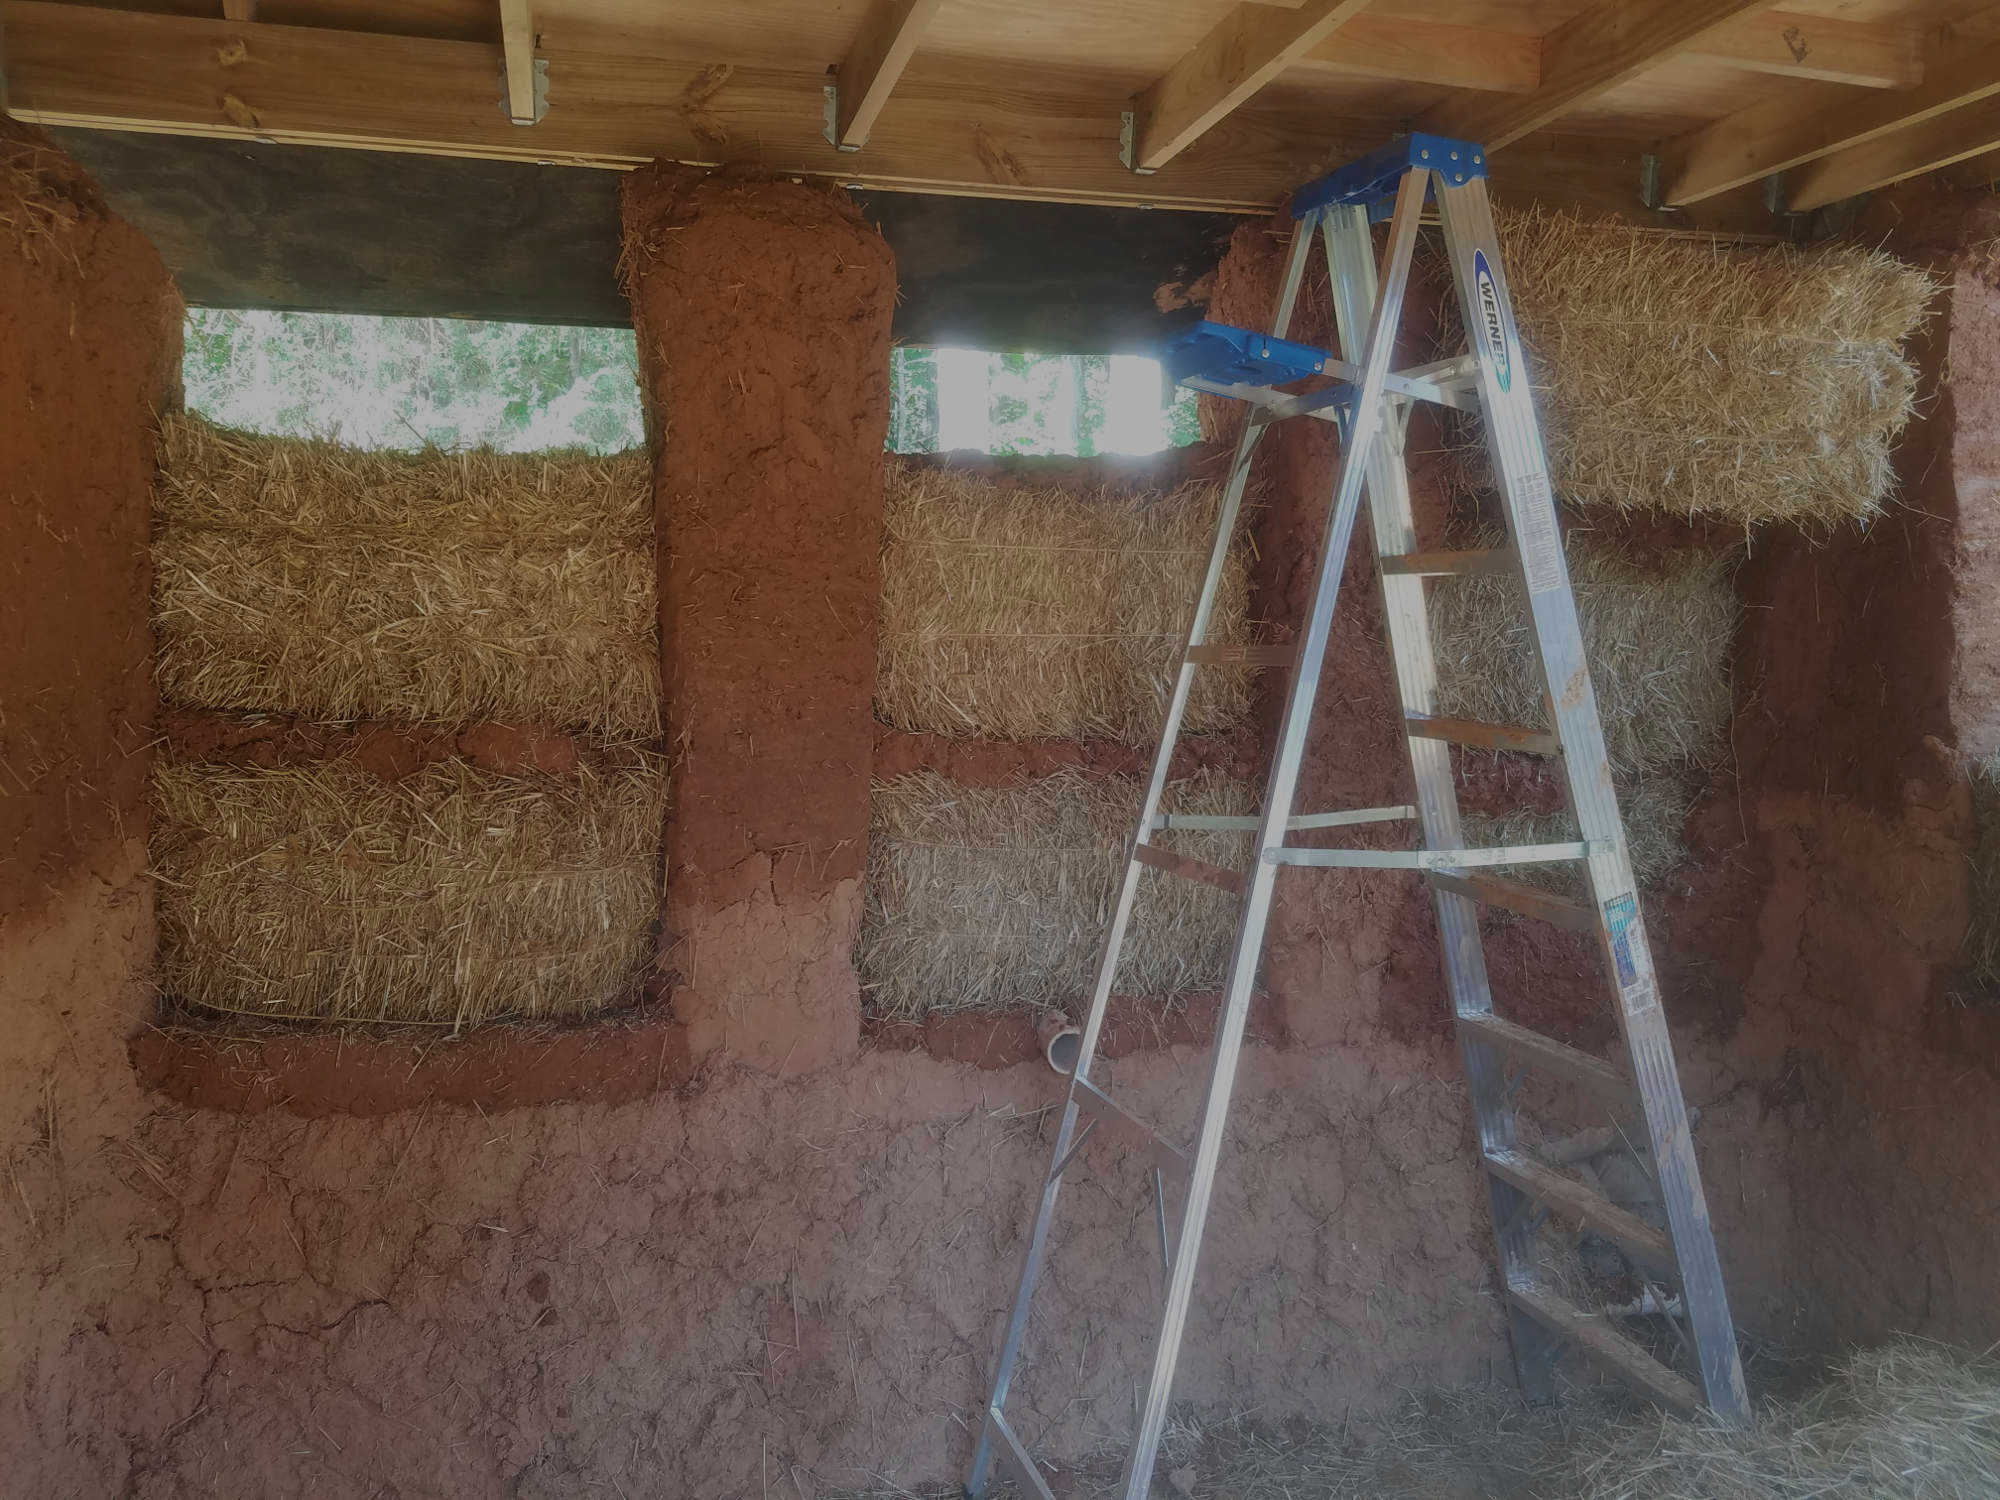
(1015, 612)
(312, 579)
(322, 584)
(983, 898)
(1684, 376)
(453, 895)
(1658, 634)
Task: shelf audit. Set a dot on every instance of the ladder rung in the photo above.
(1189, 869)
(1552, 1056)
(1242, 656)
(1015, 1458)
(1219, 823)
(1428, 859)
(1594, 1334)
(1093, 1101)
(1475, 735)
(1450, 564)
(1514, 896)
(1567, 1196)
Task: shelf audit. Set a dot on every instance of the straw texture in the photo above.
(329, 583)
(1655, 811)
(1657, 637)
(456, 895)
(1908, 1421)
(1684, 376)
(994, 898)
(1027, 613)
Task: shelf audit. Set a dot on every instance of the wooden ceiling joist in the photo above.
(1430, 52)
(517, 45)
(957, 124)
(1925, 147)
(1875, 56)
(1613, 41)
(1781, 134)
(1248, 48)
(1510, 62)
(887, 42)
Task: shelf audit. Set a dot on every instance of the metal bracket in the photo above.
(1128, 144)
(830, 116)
(1774, 194)
(541, 93)
(1652, 187)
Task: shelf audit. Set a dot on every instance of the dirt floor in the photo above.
(747, 1284)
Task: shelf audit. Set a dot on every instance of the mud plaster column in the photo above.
(763, 315)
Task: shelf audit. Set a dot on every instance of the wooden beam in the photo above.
(980, 129)
(887, 42)
(1782, 133)
(517, 44)
(1457, 57)
(1611, 42)
(1790, 45)
(1939, 142)
(1510, 62)
(1248, 48)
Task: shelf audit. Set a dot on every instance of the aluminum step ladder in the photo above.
(1371, 403)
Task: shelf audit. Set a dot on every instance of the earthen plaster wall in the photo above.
(739, 1279)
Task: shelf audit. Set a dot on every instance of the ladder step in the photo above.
(1596, 1076)
(1100, 1106)
(1166, 860)
(1596, 1336)
(1451, 564)
(1220, 823)
(1523, 900)
(1475, 735)
(1572, 1199)
(1242, 656)
(1015, 1458)
(1427, 859)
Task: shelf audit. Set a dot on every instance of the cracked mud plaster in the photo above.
(768, 978)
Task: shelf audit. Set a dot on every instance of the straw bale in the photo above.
(995, 898)
(455, 895)
(1027, 613)
(1655, 811)
(1682, 375)
(1908, 1421)
(1657, 636)
(307, 578)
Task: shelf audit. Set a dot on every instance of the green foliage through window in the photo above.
(415, 382)
(458, 383)
(1082, 404)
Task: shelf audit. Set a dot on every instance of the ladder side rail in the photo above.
(1351, 259)
(1114, 938)
(1369, 418)
(1521, 462)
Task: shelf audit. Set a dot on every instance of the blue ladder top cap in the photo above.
(1229, 355)
(1376, 176)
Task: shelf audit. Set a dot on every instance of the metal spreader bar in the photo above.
(1357, 388)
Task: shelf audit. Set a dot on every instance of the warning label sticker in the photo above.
(1541, 545)
(1621, 917)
